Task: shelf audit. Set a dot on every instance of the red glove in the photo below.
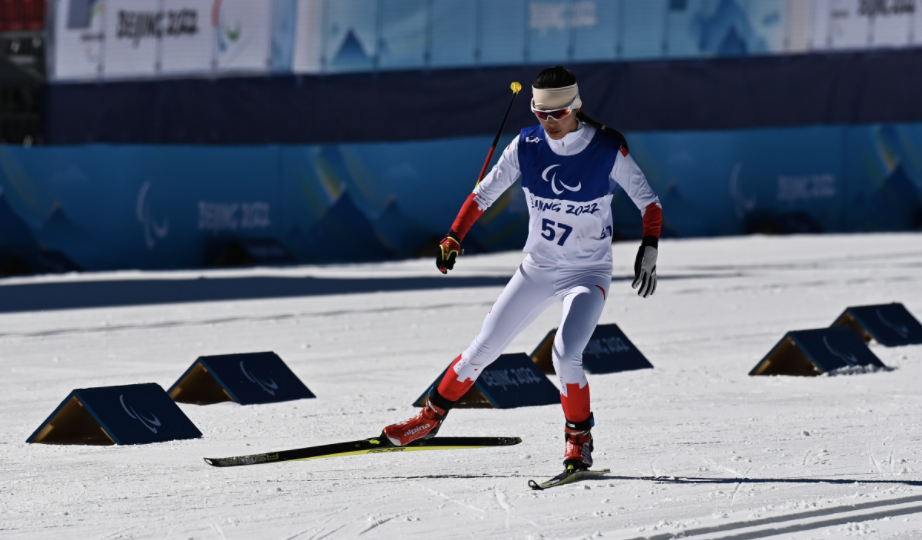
(449, 249)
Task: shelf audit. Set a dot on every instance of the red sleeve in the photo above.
(653, 220)
(470, 212)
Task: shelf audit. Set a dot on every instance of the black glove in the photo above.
(449, 249)
(645, 267)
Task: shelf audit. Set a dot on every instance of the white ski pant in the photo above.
(537, 284)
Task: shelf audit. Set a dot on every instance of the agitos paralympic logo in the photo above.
(150, 423)
(85, 17)
(225, 32)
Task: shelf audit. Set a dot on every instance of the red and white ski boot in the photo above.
(422, 426)
(578, 454)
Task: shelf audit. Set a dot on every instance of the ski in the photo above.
(366, 446)
(567, 477)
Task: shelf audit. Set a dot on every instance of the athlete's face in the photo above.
(557, 129)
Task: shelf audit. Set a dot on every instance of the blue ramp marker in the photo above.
(814, 352)
(608, 351)
(132, 414)
(247, 379)
(513, 380)
(891, 325)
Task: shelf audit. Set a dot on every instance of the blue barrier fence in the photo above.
(108, 207)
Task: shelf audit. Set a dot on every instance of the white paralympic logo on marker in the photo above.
(140, 417)
(153, 231)
(900, 329)
(269, 386)
(849, 358)
(553, 181)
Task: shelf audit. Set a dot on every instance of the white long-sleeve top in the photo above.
(585, 230)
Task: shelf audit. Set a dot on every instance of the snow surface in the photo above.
(695, 445)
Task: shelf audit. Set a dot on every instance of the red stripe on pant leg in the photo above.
(604, 296)
(451, 388)
(575, 403)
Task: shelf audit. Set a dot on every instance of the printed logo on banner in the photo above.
(510, 377)
(85, 23)
(153, 230)
(544, 16)
(901, 329)
(151, 425)
(877, 8)
(217, 217)
(603, 346)
(225, 31)
(137, 25)
(743, 204)
(242, 33)
(269, 386)
(848, 358)
(803, 188)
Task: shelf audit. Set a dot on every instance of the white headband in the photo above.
(549, 99)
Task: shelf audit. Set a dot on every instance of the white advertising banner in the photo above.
(308, 49)
(891, 23)
(865, 24)
(120, 39)
(133, 29)
(77, 40)
(243, 35)
(188, 45)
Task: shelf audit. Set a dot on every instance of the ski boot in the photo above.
(422, 426)
(578, 455)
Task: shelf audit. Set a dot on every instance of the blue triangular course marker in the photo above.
(132, 414)
(247, 379)
(513, 380)
(891, 325)
(608, 351)
(814, 352)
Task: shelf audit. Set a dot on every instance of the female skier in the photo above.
(570, 166)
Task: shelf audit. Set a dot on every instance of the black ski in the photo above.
(367, 446)
(567, 477)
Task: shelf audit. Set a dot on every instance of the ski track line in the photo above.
(117, 533)
(905, 505)
(378, 522)
(305, 531)
(739, 485)
(447, 498)
(321, 537)
(217, 529)
(327, 519)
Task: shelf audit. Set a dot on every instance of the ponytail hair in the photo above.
(559, 77)
(610, 131)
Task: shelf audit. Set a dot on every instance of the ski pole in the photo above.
(515, 91)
